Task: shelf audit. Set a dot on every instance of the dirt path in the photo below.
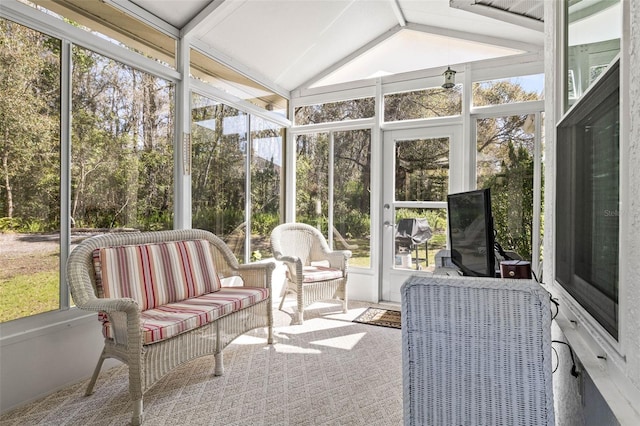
(14, 243)
(31, 253)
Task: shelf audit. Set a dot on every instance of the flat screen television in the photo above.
(471, 232)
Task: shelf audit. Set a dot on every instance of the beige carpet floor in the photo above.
(328, 371)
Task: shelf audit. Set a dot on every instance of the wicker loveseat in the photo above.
(161, 303)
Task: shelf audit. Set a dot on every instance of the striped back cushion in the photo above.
(156, 274)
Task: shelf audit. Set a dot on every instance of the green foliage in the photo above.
(352, 109)
(422, 170)
(437, 218)
(429, 103)
(263, 223)
(33, 226)
(512, 201)
(221, 222)
(10, 224)
(353, 224)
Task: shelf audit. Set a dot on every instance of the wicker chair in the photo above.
(314, 271)
(476, 351)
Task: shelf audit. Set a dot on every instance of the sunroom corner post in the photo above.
(182, 156)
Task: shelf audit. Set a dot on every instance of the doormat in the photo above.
(380, 317)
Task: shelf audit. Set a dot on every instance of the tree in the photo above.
(29, 113)
(505, 149)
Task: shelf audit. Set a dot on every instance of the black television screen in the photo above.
(471, 232)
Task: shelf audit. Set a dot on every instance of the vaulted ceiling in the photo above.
(302, 43)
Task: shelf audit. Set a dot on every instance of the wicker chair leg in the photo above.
(282, 300)
(138, 415)
(96, 372)
(219, 368)
(344, 306)
(299, 316)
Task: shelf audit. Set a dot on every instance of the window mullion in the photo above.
(65, 168)
(330, 188)
(247, 199)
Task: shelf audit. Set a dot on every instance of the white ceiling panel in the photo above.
(292, 41)
(295, 42)
(427, 51)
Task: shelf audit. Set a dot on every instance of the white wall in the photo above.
(608, 390)
(631, 242)
(39, 361)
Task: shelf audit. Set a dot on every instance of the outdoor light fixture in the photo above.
(449, 78)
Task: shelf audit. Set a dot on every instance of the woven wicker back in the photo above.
(299, 240)
(80, 268)
(476, 351)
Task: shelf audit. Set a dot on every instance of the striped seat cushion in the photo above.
(312, 274)
(156, 274)
(164, 322)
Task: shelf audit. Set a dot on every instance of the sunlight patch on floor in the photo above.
(290, 349)
(247, 339)
(343, 342)
(314, 324)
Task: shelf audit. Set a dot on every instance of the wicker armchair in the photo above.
(476, 351)
(314, 271)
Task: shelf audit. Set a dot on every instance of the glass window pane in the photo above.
(420, 234)
(505, 147)
(312, 174)
(590, 52)
(122, 146)
(588, 201)
(508, 90)
(267, 140)
(30, 188)
(218, 171)
(427, 103)
(351, 109)
(351, 195)
(422, 169)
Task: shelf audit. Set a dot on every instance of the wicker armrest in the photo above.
(126, 305)
(256, 274)
(294, 265)
(289, 259)
(339, 258)
(124, 317)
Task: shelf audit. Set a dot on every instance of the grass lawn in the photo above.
(28, 283)
(25, 295)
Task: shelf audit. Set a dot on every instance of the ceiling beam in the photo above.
(398, 12)
(201, 18)
(478, 38)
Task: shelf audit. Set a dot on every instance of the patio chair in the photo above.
(314, 271)
(476, 351)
